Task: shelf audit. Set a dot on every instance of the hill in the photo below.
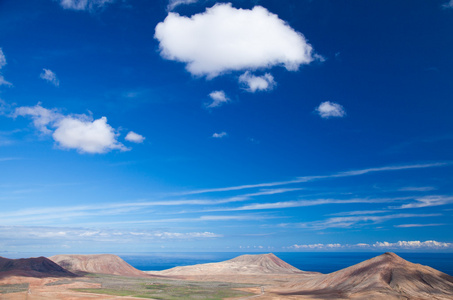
(98, 263)
(241, 265)
(32, 267)
(387, 276)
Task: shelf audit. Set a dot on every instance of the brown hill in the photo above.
(99, 263)
(387, 276)
(32, 267)
(242, 265)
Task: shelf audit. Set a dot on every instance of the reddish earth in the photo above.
(387, 276)
(99, 263)
(32, 267)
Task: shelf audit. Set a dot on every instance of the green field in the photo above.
(13, 288)
(162, 288)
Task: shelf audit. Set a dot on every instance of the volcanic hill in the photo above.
(387, 276)
(32, 267)
(242, 265)
(97, 263)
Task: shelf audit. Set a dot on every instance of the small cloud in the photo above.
(172, 4)
(448, 5)
(2, 59)
(83, 4)
(78, 132)
(4, 82)
(220, 135)
(50, 76)
(416, 225)
(329, 109)
(417, 189)
(257, 83)
(427, 201)
(2, 64)
(134, 137)
(218, 99)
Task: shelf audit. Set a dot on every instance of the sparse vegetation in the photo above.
(13, 288)
(163, 289)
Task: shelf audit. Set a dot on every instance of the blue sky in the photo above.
(141, 126)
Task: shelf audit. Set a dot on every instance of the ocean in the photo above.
(324, 262)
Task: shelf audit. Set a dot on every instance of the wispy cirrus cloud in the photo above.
(49, 76)
(172, 4)
(353, 221)
(418, 225)
(428, 201)
(82, 5)
(319, 177)
(2, 64)
(71, 213)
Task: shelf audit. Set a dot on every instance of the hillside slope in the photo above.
(32, 267)
(387, 276)
(98, 263)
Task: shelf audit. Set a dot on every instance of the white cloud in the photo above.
(355, 221)
(428, 201)
(427, 245)
(2, 59)
(78, 132)
(218, 99)
(86, 135)
(34, 233)
(2, 64)
(4, 82)
(49, 76)
(83, 4)
(417, 225)
(134, 137)
(172, 4)
(219, 135)
(417, 189)
(42, 117)
(257, 83)
(317, 177)
(448, 5)
(225, 39)
(329, 109)
(413, 245)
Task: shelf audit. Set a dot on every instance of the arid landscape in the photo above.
(264, 276)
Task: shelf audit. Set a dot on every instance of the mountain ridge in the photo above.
(32, 267)
(96, 263)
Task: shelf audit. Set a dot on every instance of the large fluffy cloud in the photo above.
(224, 39)
(80, 132)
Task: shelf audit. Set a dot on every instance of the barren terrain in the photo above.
(263, 277)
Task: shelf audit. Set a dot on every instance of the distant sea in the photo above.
(324, 262)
